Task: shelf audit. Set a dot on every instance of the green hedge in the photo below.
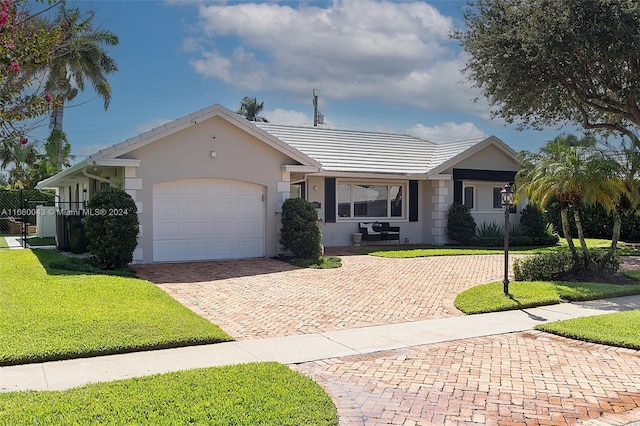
(556, 265)
(596, 223)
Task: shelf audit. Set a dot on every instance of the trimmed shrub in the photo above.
(300, 232)
(532, 222)
(461, 226)
(112, 228)
(557, 265)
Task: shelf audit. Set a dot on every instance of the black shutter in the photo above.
(457, 191)
(330, 200)
(413, 201)
(303, 190)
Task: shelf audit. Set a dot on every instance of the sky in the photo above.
(386, 66)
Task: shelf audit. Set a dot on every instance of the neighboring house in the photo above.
(211, 185)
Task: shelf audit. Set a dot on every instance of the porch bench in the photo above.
(379, 231)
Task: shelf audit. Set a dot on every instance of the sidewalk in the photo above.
(295, 349)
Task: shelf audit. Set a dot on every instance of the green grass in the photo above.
(526, 294)
(36, 241)
(81, 264)
(3, 242)
(323, 262)
(468, 250)
(618, 329)
(71, 314)
(246, 394)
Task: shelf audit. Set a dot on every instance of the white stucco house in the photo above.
(210, 185)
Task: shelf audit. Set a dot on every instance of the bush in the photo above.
(300, 232)
(489, 235)
(112, 228)
(461, 226)
(532, 222)
(557, 265)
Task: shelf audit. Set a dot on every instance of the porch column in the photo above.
(132, 186)
(440, 204)
(284, 188)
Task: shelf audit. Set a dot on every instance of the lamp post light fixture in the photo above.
(506, 199)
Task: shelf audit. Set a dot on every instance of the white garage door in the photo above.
(200, 219)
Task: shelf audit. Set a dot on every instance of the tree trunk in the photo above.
(583, 242)
(56, 124)
(617, 225)
(564, 218)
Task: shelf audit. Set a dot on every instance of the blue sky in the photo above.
(378, 65)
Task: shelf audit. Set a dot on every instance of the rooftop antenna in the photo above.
(317, 117)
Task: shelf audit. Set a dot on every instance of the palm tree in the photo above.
(575, 173)
(82, 57)
(250, 108)
(625, 184)
(22, 156)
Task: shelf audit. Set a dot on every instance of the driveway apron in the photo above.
(527, 378)
(262, 298)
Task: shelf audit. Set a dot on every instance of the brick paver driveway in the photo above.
(515, 379)
(267, 298)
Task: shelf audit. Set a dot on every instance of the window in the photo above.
(295, 191)
(469, 196)
(344, 200)
(497, 198)
(358, 200)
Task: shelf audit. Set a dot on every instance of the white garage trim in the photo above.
(203, 219)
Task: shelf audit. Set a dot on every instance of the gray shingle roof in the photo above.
(372, 152)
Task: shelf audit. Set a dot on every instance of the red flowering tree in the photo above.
(23, 43)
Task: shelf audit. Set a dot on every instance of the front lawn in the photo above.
(48, 314)
(412, 252)
(618, 329)
(527, 294)
(246, 394)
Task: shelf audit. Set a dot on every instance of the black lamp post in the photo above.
(506, 199)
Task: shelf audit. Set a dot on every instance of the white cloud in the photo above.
(288, 117)
(366, 49)
(446, 132)
(145, 127)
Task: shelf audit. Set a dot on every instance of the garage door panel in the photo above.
(245, 228)
(165, 250)
(193, 209)
(219, 209)
(199, 219)
(192, 230)
(249, 191)
(166, 209)
(166, 230)
(221, 229)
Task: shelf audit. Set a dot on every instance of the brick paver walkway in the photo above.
(267, 298)
(516, 379)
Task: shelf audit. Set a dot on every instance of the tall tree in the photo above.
(23, 44)
(548, 62)
(574, 172)
(84, 58)
(250, 108)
